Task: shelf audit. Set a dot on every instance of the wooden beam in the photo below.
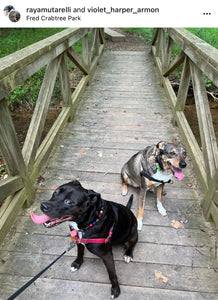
(40, 112)
(9, 144)
(9, 186)
(208, 139)
(65, 80)
(200, 52)
(77, 61)
(21, 65)
(174, 64)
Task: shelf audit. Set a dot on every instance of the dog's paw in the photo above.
(124, 192)
(75, 266)
(140, 224)
(161, 209)
(73, 269)
(127, 259)
(115, 292)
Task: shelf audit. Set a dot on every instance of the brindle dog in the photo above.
(153, 166)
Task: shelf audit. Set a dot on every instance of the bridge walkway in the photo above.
(122, 110)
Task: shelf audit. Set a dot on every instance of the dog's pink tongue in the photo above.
(39, 219)
(178, 174)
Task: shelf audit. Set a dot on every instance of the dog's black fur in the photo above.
(83, 205)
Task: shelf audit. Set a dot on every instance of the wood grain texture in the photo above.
(116, 116)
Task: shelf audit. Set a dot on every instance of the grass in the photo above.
(209, 35)
(26, 94)
(13, 40)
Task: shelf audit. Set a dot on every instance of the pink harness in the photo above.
(74, 235)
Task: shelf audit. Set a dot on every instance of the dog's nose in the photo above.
(182, 164)
(44, 206)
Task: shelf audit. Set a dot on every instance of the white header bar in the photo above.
(111, 13)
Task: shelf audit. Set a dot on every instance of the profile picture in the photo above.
(12, 13)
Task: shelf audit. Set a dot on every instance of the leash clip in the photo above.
(72, 245)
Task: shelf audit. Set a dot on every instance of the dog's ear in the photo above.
(161, 146)
(93, 196)
(178, 143)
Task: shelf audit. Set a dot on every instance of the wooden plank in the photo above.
(48, 143)
(77, 61)
(39, 116)
(166, 83)
(85, 51)
(184, 86)
(14, 204)
(148, 250)
(180, 278)
(65, 80)
(174, 64)
(193, 148)
(9, 144)
(208, 139)
(9, 186)
(113, 35)
(46, 288)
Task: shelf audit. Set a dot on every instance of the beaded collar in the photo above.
(98, 219)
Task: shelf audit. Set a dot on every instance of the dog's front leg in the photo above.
(79, 260)
(104, 251)
(109, 264)
(142, 195)
(160, 207)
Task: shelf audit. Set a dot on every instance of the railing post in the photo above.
(11, 151)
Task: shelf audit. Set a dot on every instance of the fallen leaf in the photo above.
(40, 191)
(54, 187)
(189, 184)
(176, 224)
(159, 275)
(99, 153)
(82, 151)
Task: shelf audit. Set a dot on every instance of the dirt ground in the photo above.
(132, 42)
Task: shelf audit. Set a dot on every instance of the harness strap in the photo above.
(144, 174)
(74, 234)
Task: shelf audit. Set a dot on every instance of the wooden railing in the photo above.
(197, 59)
(24, 165)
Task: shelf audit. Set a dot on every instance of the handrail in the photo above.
(24, 165)
(198, 59)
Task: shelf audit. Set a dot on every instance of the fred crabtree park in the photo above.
(108, 163)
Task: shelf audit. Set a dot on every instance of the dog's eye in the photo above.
(172, 154)
(67, 201)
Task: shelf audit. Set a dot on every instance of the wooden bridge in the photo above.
(120, 105)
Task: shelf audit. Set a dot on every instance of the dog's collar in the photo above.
(146, 175)
(76, 236)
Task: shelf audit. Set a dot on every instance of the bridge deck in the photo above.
(122, 110)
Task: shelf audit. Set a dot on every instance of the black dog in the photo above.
(100, 224)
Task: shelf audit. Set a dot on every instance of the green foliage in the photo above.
(144, 33)
(209, 35)
(26, 94)
(15, 39)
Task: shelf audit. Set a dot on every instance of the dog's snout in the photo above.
(44, 206)
(182, 164)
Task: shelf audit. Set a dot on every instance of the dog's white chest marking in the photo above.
(163, 176)
(75, 226)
